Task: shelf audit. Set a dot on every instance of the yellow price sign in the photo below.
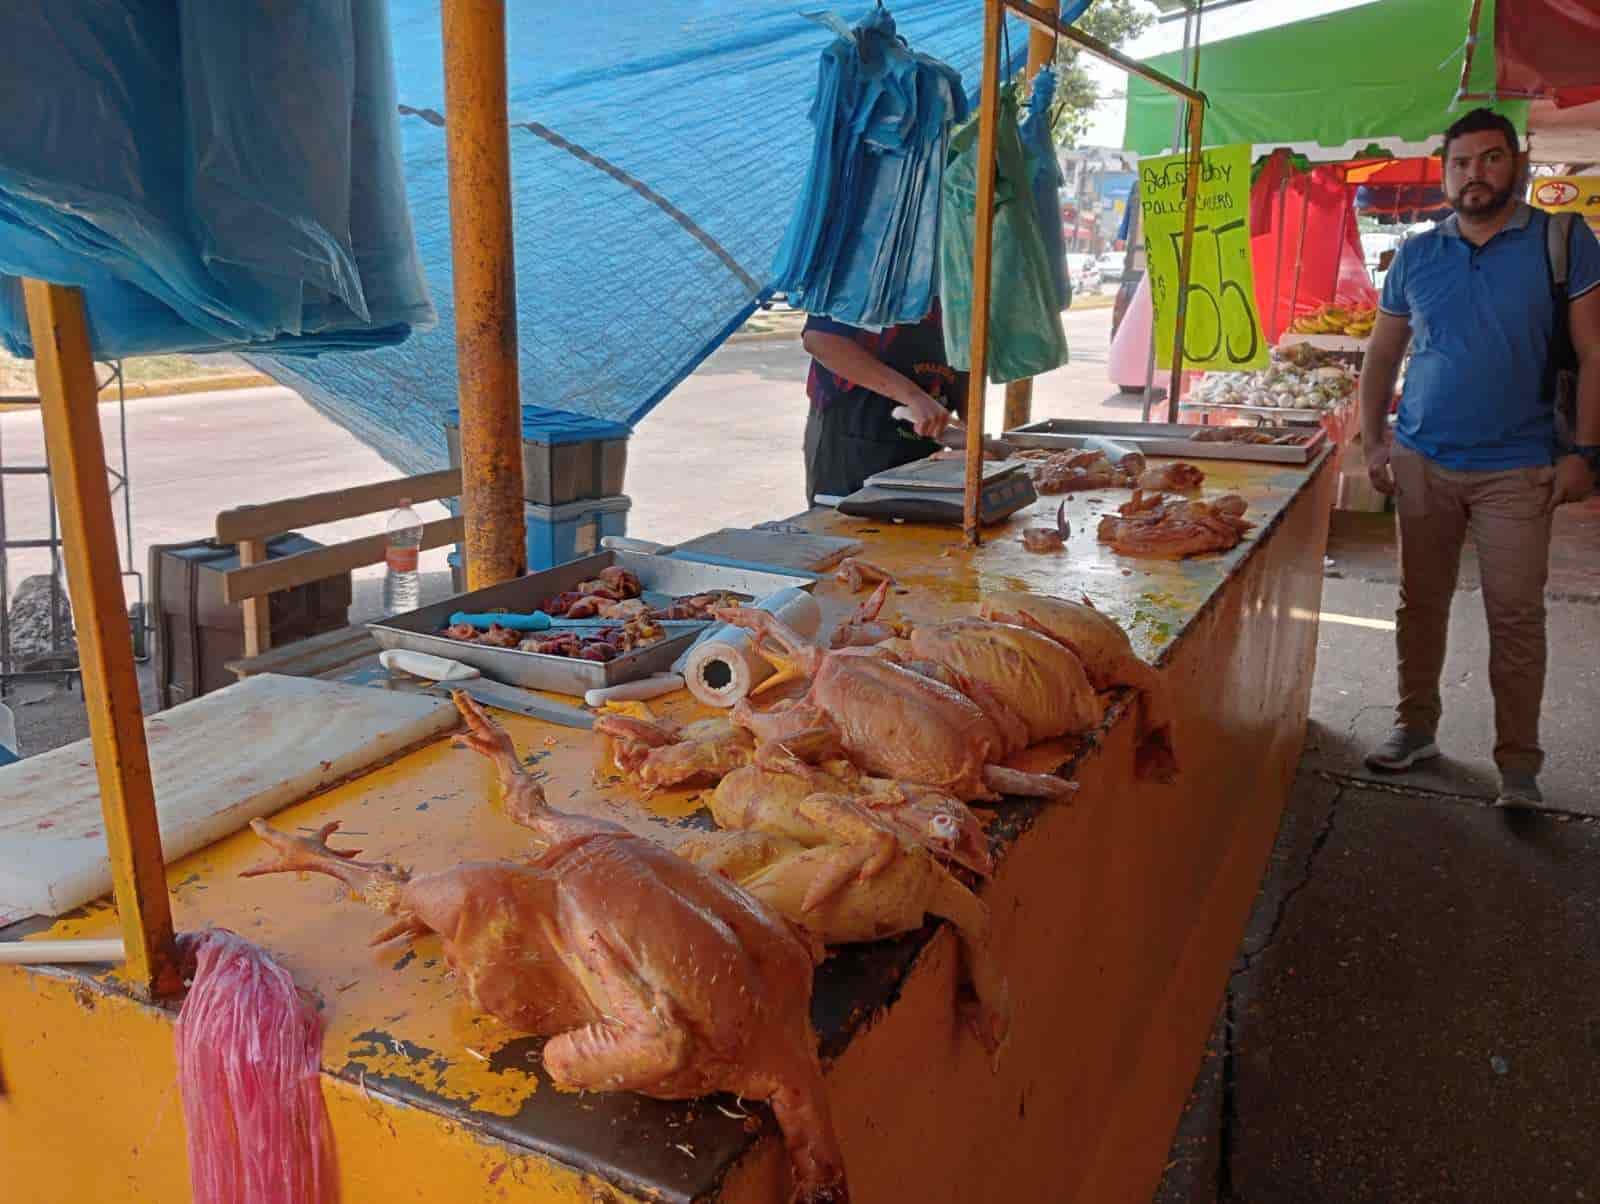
(1222, 329)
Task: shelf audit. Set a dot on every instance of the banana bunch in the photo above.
(1336, 319)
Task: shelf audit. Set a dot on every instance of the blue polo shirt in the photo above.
(1481, 323)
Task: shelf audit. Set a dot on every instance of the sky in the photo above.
(1106, 126)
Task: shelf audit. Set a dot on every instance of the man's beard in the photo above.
(1475, 200)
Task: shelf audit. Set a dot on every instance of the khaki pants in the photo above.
(1508, 516)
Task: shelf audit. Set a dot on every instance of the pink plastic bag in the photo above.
(250, 1070)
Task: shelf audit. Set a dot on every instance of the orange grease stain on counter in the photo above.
(437, 807)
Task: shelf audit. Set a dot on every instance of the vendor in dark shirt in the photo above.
(857, 378)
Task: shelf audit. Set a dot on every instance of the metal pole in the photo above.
(76, 449)
(1191, 195)
(1041, 53)
(1177, 141)
(478, 146)
(988, 126)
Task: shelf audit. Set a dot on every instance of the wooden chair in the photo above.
(256, 578)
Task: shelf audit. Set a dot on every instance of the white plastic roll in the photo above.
(725, 666)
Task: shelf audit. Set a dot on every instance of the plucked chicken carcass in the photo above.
(1177, 477)
(892, 722)
(1107, 657)
(761, 799)
(801, 884)
(1177, 529)
(658, 753)
(646, 972)
(1036, 678)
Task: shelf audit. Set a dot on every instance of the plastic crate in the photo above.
(557, 534)
(565, 457)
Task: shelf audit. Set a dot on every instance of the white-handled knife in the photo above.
(453, 675)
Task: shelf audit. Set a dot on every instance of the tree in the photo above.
(1114, 22)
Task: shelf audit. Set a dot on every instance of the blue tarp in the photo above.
(657, 150)
(211, 175)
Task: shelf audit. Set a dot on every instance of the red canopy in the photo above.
(1548, 48)
(1305, 245)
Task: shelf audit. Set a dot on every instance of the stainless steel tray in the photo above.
(1164, 439)
(418, 629)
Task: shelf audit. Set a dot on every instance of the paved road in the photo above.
(724, 449)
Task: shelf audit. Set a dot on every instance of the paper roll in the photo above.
(724, 665)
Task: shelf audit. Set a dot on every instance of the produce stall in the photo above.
(1115, 917)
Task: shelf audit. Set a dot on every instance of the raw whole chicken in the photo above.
(1176, 477)
(1107, 657)
(785, 875)
(760, 799)
(892, 722)
(1177, 529)
(646, 972)
(1038, 679)
(655, 753)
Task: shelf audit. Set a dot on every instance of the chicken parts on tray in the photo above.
(1108, 659)
(891, 721)
(648, 973)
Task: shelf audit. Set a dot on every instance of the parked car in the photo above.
(1084, 272)
(1110, 265)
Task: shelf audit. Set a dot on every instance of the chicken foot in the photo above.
(657, 754)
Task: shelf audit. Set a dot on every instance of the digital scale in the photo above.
(931, 491)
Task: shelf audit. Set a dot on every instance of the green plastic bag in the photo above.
(1025, 335)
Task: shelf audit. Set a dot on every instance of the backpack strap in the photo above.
(1557, 241)
(1560, 374)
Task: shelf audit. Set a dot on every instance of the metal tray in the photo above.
(417, 629)
(1164, 439)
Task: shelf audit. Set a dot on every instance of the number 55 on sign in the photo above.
(1222, 330)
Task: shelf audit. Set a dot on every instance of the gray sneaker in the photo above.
(1403, 749)
(1519, 788)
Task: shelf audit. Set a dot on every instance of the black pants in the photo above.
(844, 446)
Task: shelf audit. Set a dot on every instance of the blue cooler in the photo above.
(557, 534)
(565, 457)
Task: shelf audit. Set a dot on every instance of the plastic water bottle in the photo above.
(402, 584)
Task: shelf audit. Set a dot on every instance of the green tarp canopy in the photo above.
(1383, 74)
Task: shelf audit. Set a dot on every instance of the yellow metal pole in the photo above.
(1042, 45)
(478, 146)
(1191, 193)
(77, 455)
(988, 125)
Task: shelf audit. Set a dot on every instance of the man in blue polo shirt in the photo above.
(1475, 448)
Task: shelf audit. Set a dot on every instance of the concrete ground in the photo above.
(1411, 1016)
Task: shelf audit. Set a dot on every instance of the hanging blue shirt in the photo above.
(1481, 323)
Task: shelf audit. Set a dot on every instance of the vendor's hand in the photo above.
(1574, 481)
(1379, 470)
(928, 417)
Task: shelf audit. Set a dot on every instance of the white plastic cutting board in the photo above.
(218, 762)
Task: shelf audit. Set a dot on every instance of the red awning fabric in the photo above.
(1393, 172)
(1305, 244)
(1548, 48)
